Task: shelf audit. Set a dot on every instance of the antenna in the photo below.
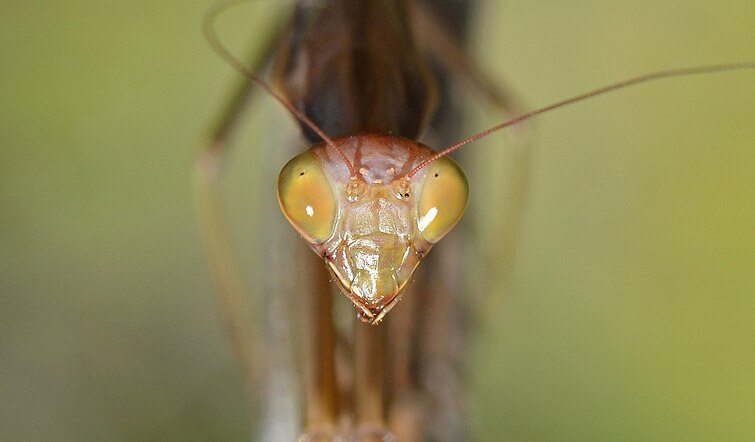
(212, 38)
(682, 72)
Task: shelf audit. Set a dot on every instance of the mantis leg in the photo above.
(229, 289)
(230, 293)
(318, 341)
(369, 382)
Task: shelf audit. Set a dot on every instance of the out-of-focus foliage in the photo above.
(628, 314)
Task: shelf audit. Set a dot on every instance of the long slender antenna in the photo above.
(695, 70)
(212, 38)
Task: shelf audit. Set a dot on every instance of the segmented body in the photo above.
(356, 69)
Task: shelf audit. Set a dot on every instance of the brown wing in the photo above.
(353, 67)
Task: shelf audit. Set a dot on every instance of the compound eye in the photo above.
(442, 199)
(306, 198)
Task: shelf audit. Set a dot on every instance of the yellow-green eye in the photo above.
(442, 199)
(306, 198)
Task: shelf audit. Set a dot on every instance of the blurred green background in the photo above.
(629, 313)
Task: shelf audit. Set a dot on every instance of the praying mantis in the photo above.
(360, 78)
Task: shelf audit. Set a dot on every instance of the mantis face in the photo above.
(372, 230)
